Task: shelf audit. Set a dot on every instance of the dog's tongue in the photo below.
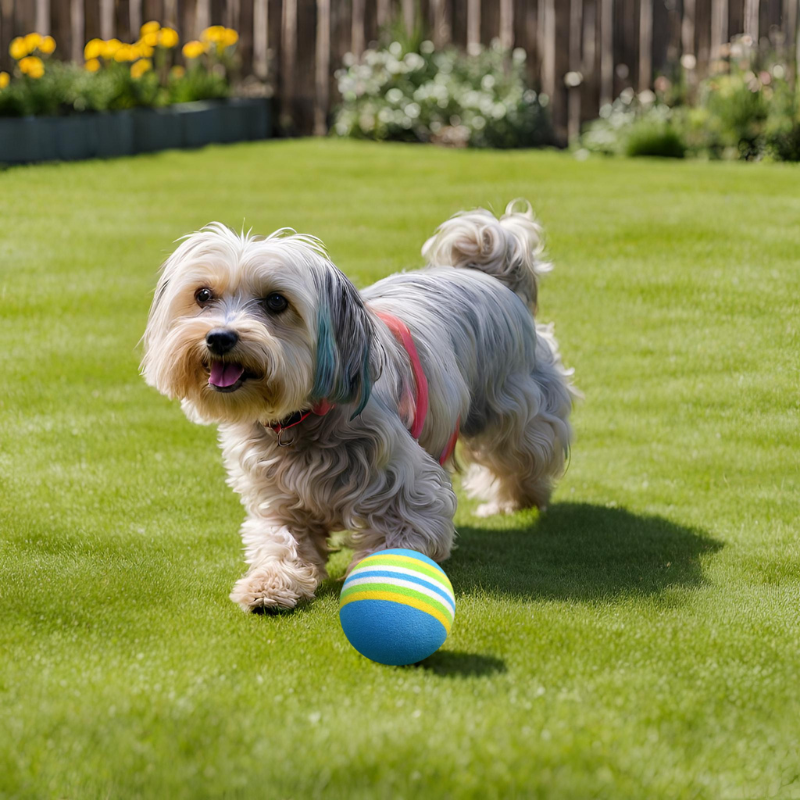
(224, 375)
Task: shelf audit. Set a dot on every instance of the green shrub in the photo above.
(651, 138)
(420, 95)
(635, 126)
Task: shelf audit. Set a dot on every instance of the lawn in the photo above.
(641, 639)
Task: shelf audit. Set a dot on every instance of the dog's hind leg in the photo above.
(520, 452)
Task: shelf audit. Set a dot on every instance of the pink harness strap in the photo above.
(403, 335)
(401, 332)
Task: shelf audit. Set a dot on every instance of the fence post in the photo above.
(288, 53)
(473, 22)
(645, 44)
(719, 26)
(507, 23)
(751, 11)
(575, 66)
(260, 38)
(606, 52)
(43, 16)
(323, 65)
(76, 29)
(356, 28)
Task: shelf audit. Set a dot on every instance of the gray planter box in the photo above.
(142, 130)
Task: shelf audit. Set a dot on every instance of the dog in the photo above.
(338, 410)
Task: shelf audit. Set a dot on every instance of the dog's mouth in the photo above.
(227, 376)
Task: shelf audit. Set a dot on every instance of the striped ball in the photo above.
(397, 607)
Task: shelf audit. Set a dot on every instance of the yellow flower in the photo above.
(149, 27)
(32, 41)
(92, 65)
(126, 52)
(32, 66)
(143, 50)
(193, 49)
(167, 37)
(140, 67)
(18, 49)
(47, 45)
(177, 71)
(213, 34)
(5, 79)
(94, 49)
(110, 48)
(229, 37)
(150, 39)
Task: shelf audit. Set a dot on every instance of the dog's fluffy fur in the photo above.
(491, 370)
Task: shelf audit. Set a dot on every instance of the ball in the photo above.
(397, 607)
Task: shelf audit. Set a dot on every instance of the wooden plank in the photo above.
(6, 33)
(507, 23)
(645, 44)
(43, 16)
(548, 23)
(323, 67)
(260, 38)
(489, 22)
(135, 9)
(77, 31)
(107, 19)
(575, 68)
(473, 22)
(606, 51)
(409, 15)
(384, 13)
(288, 58)
(170, 13)
(202, 16)
(751, 14)
(719, 26)
(244, 25)
(440, 23)
(356, 28)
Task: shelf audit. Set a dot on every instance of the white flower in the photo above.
(414, 61)
(573, 79)
(394, 95)
(396, 49)
(426, 47)
(488, 82)
(688, 61)
(412, 110)
(647, 98)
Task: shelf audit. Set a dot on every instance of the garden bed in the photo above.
(140, 130)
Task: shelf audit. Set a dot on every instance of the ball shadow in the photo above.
(580, 551)
(457, 664)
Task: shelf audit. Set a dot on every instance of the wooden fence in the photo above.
(581, 53)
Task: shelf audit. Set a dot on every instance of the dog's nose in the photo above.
(221, 341)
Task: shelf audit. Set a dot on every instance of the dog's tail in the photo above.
(509, 248)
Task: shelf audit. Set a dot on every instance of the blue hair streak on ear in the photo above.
(343, 367)
(327, 358)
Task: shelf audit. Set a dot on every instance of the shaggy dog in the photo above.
(339, 409)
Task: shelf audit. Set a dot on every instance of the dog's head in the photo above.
(246, 328)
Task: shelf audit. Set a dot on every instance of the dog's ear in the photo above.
(346, 346)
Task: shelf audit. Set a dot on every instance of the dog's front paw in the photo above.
(278, 585)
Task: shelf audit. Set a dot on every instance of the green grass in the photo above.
(639, 640)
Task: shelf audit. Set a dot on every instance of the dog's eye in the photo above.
(203, 296)
(275, 303)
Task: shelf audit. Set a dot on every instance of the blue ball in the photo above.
(397, 607)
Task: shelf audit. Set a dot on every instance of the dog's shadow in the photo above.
(579, 551)
(575, 551)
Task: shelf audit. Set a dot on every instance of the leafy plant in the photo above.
(478, 99)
